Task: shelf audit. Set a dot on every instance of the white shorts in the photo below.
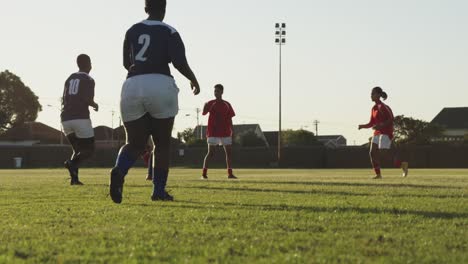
(156, 94)
(383, 141)
(221, 141)
(81, 127)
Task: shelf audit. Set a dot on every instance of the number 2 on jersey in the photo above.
(74, 86)
(145, 41)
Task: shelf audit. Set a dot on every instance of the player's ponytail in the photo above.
(384, 95)
(380, 92)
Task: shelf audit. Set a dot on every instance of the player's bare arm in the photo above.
(185, 70)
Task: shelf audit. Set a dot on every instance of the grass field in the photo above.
(268, 216)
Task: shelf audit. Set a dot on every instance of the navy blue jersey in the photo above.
(150, 46)
(77, 95)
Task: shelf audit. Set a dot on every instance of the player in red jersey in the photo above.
(147, 158)
(219, 130)
(382, 123)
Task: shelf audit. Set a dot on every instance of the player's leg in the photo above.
(227, 145)
(137, 135)
(136, 123)
(149, 176)
(375, 157)
(161, 130)
(398, 161)
(161, 103)
(73, 171)
(83, 144)
(208, 157)
(84, 150)
(148, 161)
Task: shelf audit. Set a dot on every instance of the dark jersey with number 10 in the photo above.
(150, 46)
(77, 94)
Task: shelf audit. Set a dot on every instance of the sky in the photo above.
(336, 51)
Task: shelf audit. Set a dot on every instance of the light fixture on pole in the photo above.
(280, 40)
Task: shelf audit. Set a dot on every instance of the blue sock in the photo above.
(159, 181)
(124, 161)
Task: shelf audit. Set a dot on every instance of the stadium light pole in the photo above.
(280, 40)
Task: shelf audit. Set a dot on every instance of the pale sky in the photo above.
(337, 50)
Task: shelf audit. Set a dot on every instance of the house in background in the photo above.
(333, 141)
(32, 133)
(454, 121)
(104, 137)
(272, 138)
(239, 130)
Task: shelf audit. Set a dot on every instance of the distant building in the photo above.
(454, 121)
(272, 138)
(32, 133)
(239, 130)
(333, 141)
(106, 137)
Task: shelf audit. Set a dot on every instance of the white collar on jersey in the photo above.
(158, 23)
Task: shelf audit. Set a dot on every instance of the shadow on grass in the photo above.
(342, 184)
(341, 193)
(314, 209)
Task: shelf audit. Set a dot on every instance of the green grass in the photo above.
(268, 216)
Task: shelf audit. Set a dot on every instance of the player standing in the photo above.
(149, 97)
(382, 123)
(78, 96)
(220, 129)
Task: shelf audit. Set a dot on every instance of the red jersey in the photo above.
(382, 113)
(220, 120)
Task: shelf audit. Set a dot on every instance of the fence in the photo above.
(303, 157)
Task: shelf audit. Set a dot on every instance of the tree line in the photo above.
(19, 104)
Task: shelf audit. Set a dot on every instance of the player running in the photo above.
(220, 130)
(78, 96)
(149, 97)
(382, 123)
(147, 158)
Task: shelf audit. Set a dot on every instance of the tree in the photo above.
(188, 136)
(250, 139)
(415, 131)
(18, 104)
(299, 137)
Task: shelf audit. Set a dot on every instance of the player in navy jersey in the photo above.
(78, 96)
(149, 97)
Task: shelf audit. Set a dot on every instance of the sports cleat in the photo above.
(404, 167)
(73, 171)
(116, 185)
(232, 177)
(377, 177)
(204, 177)
(76, 182)
(149, 177)
(165, 197)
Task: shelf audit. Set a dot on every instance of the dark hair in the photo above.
(380, 92)
(219, 86)
(83, 61)
(155, 6)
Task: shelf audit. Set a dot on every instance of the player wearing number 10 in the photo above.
(149, 97)
(78, 96)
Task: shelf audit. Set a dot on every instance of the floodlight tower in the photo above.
(280, 40)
